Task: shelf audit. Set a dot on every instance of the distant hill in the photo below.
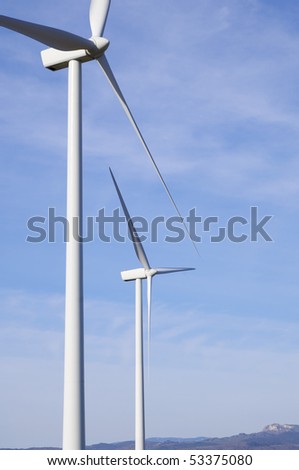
(153, 443)
(272, 437)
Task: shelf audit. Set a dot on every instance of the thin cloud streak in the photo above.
(186, 344)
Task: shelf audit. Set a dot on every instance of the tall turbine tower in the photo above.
(137, 275)
(69, 50)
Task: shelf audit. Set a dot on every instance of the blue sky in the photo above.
(214, 88)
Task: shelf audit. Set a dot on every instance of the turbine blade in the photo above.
(171, 270)
(98, 13)
(112, 80)
(149, 321)
(139, 250)
(52, 37)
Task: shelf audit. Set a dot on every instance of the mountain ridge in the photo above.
(273, 436)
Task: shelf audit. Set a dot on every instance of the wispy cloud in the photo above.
(193, 350)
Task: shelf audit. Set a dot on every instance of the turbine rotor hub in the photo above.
(101, 44)
(150, 272)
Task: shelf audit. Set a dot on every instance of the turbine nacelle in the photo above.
(143, 273)
(55, 59)
(139, 273)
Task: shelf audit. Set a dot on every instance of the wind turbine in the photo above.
(137, 275)
(69, 50)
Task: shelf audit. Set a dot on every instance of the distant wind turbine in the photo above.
(137, 275)
(69, 50)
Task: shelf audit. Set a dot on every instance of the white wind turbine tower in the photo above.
(69, 50)
(137, 275)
